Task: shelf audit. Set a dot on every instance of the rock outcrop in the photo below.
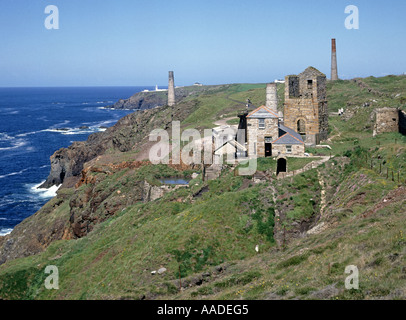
(142, 101)
(129, 133)
(153, 99)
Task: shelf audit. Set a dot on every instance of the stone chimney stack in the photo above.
(272, 97)
(171, 90)
(334, 72)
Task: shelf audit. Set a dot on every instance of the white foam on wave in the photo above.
(28, 133)
(9, 111)
(43, 192)
(5, 137)
(15, 144)
(4, 232)
(13, 173)
(73, 131)
(23, 170)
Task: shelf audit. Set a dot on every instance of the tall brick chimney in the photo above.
(334, 72)
(171, 90)
(272, 97)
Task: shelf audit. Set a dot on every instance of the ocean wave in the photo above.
(73, 131)
(13, 173)
(61, 125)
(11, 112)
(8, 111)
(120, 109)
(5, 137)
(5, 231)
(43, 192)
(11, 142)
(28, 133)
(23, 170)
(97, 102)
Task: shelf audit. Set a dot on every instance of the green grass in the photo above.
(192, 235)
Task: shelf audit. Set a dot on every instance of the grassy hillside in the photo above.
(205, 234)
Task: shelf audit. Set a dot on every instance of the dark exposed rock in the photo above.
(142, 101)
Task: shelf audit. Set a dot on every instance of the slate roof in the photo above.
(262, 113)
(288, 136)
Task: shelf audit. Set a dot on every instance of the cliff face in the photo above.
(129, 133)
(153, 99)
(142, 101)
(106, 187)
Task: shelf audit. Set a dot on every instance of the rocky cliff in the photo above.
(129, 133)
(153, 99)
(142, 101)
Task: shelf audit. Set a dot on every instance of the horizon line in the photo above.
(189, 85)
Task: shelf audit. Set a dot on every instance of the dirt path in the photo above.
(223, 122)
(338, 134)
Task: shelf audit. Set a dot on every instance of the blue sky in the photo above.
(136, 42)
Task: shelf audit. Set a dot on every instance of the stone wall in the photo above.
(257, 135)
(386, 120)
(310, 105)
(298, 150)
(293, 86)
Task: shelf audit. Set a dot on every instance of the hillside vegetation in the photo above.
(112, 234)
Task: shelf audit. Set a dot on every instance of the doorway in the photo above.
(301, 128)
(268, 146)
(281, 166)
(268, 149)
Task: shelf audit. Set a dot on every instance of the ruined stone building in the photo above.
(267, 132)
(389, 120)
(305, 108)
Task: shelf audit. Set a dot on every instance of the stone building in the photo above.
(268, 137)
(262, 130)
(386, 120)
(289, 143)
(305, 108)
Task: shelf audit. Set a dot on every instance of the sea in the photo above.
(34, 123)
